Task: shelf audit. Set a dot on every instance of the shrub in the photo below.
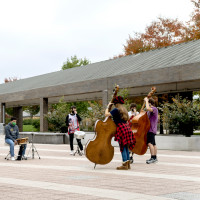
(36, 123)
(27, 122)
(182, 116)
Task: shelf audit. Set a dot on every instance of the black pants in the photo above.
(21, 148)
(71, 138)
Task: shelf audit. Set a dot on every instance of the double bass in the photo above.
(99, 150)
(140, 125)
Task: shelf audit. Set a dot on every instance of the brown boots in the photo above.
(125, 166)
(129, 166)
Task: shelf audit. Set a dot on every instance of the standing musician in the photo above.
(11, 134)
(72, 121)
(124, 134)
(153, 117)
(132, 113)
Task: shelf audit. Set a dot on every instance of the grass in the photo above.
(29, 128)
(197, 133)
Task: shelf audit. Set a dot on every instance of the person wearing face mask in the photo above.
(11, 134)
(72, 122)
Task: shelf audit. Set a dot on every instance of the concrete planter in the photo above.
(45, 138)
(164, 142)
(2, 128)
(178, 142)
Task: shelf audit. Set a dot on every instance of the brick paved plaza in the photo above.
(58, 175)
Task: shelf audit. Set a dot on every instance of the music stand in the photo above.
(33, 148)
(78, 151)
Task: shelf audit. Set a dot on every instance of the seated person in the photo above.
(11, 134)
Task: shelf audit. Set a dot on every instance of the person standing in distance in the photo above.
(132, 113)
(72, 121)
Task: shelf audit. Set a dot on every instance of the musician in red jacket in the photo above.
(124, 134)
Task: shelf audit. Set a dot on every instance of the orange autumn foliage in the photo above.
(164, 32)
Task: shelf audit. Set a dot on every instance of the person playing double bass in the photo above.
(124, 134)
(152, 113)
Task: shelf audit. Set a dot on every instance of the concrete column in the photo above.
(161, 100)
(18, 113)
(105, 98)
(3, 113)
(43, 112)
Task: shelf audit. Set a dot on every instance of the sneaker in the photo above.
(12, 158)
(24, 158)
(151, 160)
(156, 160)
(81, 153)
(131, 160)
(72, 153)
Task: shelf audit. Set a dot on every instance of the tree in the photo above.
(193, 31)
(58, 112)
(75, 62)
(33, 110)
(7, 80)
(182, 116)
(161, 33)
(164, 32)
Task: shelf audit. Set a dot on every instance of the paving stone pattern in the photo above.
(58, 175)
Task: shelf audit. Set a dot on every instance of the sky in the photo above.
(37, 36)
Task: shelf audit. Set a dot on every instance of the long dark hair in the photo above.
(123, 111)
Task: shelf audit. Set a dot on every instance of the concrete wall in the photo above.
(2, 128)
(178, 142)
(45, 138)
(164, 142)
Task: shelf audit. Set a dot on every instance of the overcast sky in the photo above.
(37, 36)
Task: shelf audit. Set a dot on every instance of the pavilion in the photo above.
(173, 69)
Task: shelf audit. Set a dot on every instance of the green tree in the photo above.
(58, 112)
(75, 62)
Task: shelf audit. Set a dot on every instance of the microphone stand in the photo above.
(33, 148)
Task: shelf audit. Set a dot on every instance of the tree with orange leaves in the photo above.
(7, 80)
(164, 32)
(160, 33)
(193, 31)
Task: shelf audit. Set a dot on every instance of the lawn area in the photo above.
(29, 128)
